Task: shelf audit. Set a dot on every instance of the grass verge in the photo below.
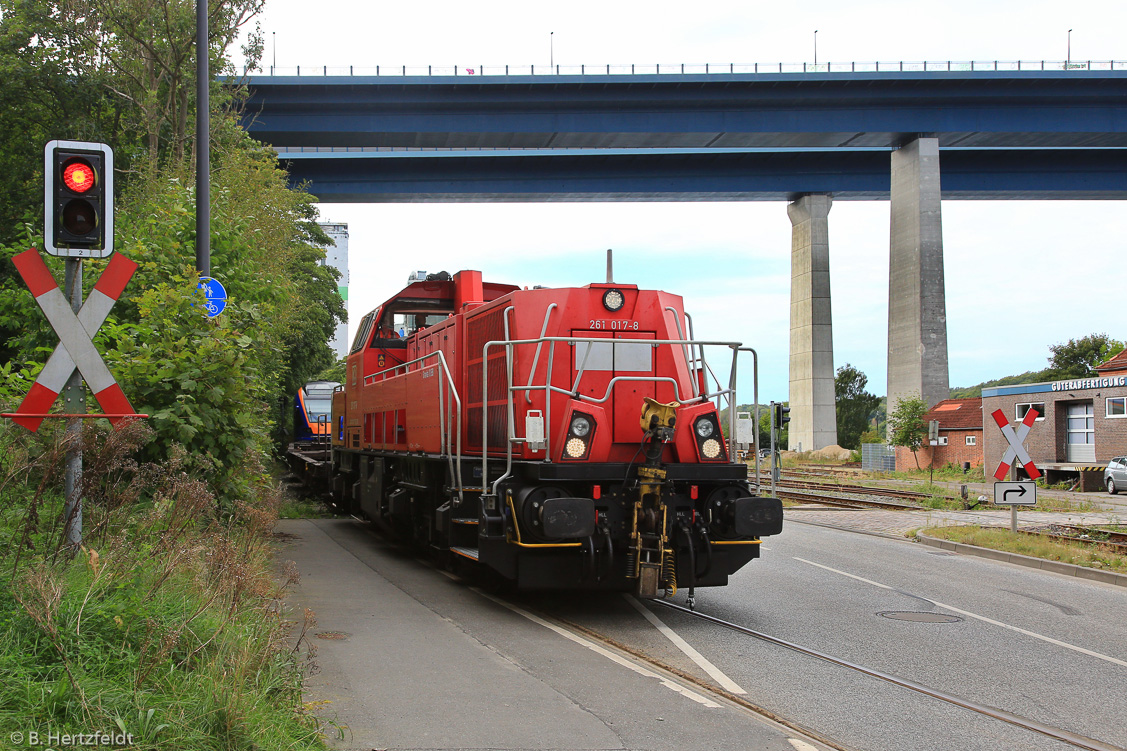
(1088, 554)
(165, 629)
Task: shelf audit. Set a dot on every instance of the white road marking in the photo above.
(684, 646)
(984, 619)
(698, 698)
(801, 745)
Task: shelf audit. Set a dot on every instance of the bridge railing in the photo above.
(928, 66)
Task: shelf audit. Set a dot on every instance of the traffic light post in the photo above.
(780, 416)
(78, 223)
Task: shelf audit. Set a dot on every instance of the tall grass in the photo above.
(166, 624)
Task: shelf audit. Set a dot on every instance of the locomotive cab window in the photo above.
(403, 317)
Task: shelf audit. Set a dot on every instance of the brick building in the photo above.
(1081, 423)
(960, 437)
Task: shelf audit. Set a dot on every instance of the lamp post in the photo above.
(815, 47)
(552, 49)
(203, 144)
(1068, 59)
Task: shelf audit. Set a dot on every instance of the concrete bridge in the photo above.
(808, 138)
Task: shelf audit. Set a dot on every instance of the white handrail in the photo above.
(471, 72)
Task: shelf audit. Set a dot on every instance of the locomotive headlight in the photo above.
(580, 426)
(575, 448)
(613, 300)
(704, 427)
(710, 448)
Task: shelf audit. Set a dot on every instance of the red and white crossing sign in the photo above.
(76, 347)
(1016, 439)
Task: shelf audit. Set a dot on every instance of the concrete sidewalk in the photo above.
(409, 658)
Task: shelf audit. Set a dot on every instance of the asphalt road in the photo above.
(428, 661)
(409, 657)
(1035, 644)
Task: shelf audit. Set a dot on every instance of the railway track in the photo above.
(1109, 539)
(856, 496)
(822, 498)
(842, 487)
(1065, 736)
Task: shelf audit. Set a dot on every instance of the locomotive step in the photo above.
(470, 553)
(464, 521)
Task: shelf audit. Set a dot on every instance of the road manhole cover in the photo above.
(332, 635)
(899, 615)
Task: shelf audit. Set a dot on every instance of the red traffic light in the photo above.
(78, 199)
(78, 175)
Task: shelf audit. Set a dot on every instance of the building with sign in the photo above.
(960, 437)
(1081, 423)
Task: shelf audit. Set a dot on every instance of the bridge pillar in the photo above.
(917, 312)
(812, 403)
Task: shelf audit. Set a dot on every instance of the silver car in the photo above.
(1115, 476)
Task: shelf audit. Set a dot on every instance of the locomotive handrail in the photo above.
(684, 348)
(536, 357)
(700, 350)
(755, 398)
(549, 388)
(454, 461)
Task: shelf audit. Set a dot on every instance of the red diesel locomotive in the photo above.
(564, 438)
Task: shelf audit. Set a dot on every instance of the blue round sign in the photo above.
(216, 295)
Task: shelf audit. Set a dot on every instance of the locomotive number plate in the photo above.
(613, 325)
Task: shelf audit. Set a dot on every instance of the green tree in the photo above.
(907, 425)
(872, 435)
(208, 384)
(1078, 358)
(855, 406)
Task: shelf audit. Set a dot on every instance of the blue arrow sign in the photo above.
(216, 295)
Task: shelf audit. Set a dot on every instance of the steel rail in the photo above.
(1074, 739)
(794, 495)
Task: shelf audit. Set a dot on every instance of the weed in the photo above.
(165, 626)
(1089, 554)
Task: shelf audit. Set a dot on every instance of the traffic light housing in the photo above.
(78, 199)
(782, 415)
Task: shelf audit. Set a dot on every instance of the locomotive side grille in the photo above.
(498, 385)
(488, 327)
(496, 437)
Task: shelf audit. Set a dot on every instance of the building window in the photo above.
(942, 441)
(1021, 409)
(972, 440)
(1116, 406)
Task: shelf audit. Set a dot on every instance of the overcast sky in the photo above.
(1020, 275)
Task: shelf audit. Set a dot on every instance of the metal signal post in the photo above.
(78, 223)
(74, 399)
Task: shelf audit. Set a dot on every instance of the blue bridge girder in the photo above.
(696, 175)
(1027, 134)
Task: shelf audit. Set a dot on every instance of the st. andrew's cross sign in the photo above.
(76, 347)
